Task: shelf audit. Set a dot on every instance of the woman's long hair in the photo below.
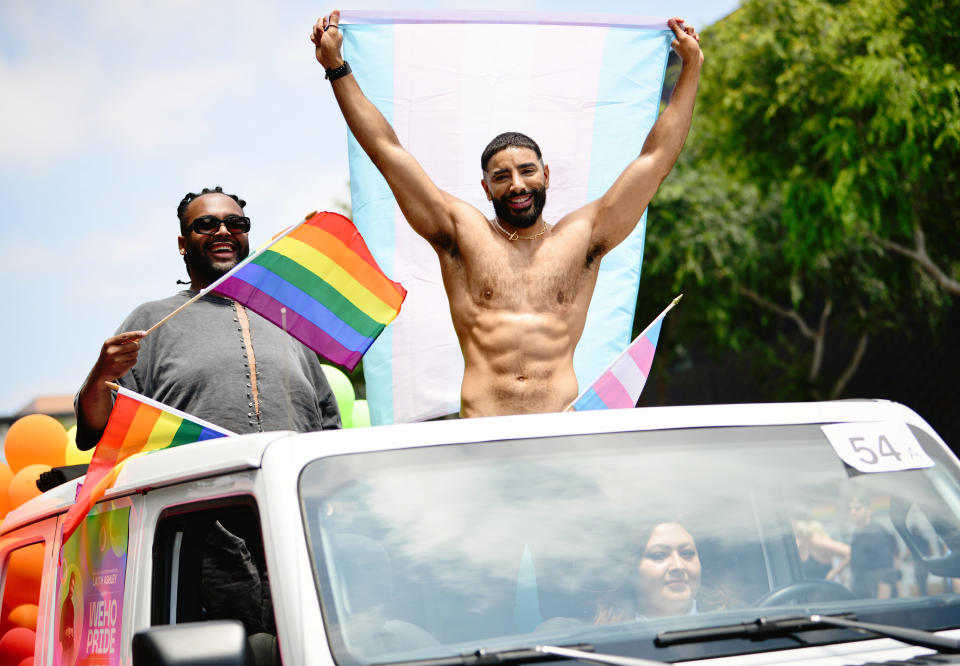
(620, 604)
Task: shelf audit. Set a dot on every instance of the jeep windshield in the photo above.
(605, 541)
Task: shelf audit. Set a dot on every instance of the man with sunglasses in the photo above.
(215, 360)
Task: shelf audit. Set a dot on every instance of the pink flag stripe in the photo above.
(612, 392)
(642, 353)
(467, 16)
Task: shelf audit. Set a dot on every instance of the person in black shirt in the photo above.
(873, 552)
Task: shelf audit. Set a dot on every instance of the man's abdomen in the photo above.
(517, 364)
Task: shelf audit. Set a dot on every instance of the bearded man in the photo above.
(518, 286)
(215, 360)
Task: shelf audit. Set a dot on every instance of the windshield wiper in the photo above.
(919, 637)
(608, 659)
(527, 655)
(763, 627)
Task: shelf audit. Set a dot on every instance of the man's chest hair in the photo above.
(552, 276)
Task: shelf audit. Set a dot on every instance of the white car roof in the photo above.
(245, 452)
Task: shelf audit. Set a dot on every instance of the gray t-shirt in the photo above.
(197, 363)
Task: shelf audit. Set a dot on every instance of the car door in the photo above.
(27, 557)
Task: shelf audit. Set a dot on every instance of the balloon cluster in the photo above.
(37, 442)
(21, 596)
(353, 413)
(33, 445)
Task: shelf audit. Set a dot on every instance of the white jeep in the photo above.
(824, 533)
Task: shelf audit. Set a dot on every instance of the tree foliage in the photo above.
(815, 203)
(846, 107)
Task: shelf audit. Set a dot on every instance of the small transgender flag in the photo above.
(620, 385)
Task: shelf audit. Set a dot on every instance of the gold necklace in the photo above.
(515, 236)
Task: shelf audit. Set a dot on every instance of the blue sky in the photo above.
(111, 111)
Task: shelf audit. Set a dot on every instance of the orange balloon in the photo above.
(26, 564)
(6, 474)
(24, 615)
(24, 571)
(35, 439)
(16, 645)
(20, 593)
(23, 485)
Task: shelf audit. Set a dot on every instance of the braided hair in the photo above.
(182, 210)
(190, 196)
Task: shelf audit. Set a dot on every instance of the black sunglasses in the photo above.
(208, 225)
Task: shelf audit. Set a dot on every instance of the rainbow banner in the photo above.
(620, 385)
(319, 282)
(137, 425)
(588, 92)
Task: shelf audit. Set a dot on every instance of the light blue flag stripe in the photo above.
(373, 213)
(590, 400)
(631, 81)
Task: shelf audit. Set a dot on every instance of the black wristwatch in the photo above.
(338, 72)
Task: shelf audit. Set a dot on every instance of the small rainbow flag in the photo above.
(319, 282)
(620, 385)
(137, 425)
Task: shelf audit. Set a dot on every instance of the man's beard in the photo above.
(207, 269)
(522, 219)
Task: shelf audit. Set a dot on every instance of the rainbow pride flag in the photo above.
(319, 282)
(137, 425)
(620, 385)
(588, 92)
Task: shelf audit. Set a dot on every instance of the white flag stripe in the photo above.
(630, 375)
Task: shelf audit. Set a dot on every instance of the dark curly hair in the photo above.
(190, 196)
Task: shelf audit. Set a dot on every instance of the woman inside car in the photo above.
(665, 579)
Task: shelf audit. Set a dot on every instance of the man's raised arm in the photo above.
(620, 208)
(426, 207)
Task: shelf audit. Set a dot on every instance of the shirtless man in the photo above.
(518, 286)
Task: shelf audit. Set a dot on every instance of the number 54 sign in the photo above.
(887, 446)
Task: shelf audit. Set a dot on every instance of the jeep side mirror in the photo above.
(220, 643)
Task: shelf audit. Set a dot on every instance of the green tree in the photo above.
(814, 202)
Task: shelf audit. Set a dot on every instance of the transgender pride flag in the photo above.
(620, 385)
(585, 87)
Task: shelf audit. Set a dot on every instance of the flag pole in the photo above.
(170, 316)
(206, 290)
(642, 333)
(286, 372)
